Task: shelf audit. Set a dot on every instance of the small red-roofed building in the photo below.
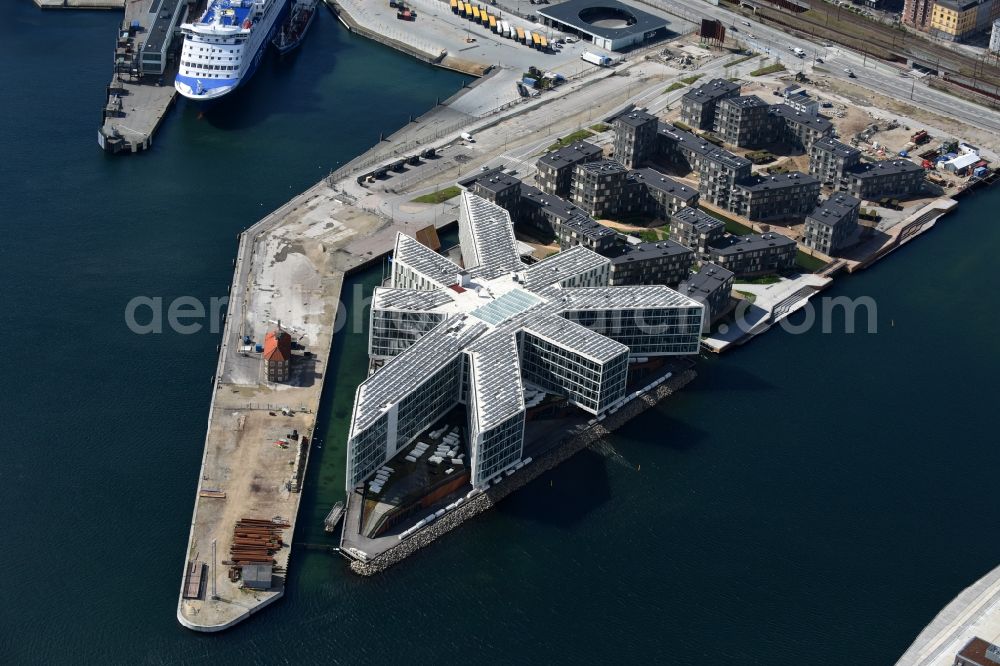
(277, 355)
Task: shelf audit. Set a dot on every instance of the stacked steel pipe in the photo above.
(255, 541)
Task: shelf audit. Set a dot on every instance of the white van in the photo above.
(467, 137)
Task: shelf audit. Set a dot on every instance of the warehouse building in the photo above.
(609, 24)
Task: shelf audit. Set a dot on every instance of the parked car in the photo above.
(849, 72)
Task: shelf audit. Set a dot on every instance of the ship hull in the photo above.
(208, 91)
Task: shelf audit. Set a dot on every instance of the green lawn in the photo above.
(682, 126)
(688, 80)
(732, 226)
(809, 263)
(763, 279)
(600, 127)
(578, 135)
(737, 61)
(676, 85)
(770, 69)
(440, 196)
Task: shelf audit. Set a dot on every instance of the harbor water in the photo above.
(810, 498)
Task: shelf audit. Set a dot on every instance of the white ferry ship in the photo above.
(223, 48)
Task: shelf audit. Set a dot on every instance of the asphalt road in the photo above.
(877, 76)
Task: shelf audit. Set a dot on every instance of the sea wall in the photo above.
(477, 505)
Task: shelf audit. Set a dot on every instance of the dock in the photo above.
(290, 267)
(80, 4)
(141, 89)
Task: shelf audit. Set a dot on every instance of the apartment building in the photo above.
(830, 227)
(699, 104)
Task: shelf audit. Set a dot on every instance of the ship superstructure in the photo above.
(224, 47)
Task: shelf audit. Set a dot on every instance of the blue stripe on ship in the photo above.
(209, 84)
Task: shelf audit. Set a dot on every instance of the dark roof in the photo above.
(959, 5)
(587, 226)
(831, 145)
(626, 253)
(572, 13)
(885, 167)
(737, 244)
(709, 279)
(758, 182)
(712, 91)
(158, 33)
(655, 179)
(702, 147)
(496, 182)
(602, 166)
(257, 576)
(702, 221)
(635, 118)
(481, 175)
(819, 123)
(572, 154)
(835, 209)
(569, 214)
(746, 101)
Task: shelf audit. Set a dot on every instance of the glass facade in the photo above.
(373, 447)
(392, 331)
(495, 449)
(646, 331)
(585, 382)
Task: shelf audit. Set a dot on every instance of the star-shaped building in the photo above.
(475, 335)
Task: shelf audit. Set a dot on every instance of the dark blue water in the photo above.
(810, 498)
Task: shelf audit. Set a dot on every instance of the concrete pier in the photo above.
(80, 4)
(137, 103)
(972, 613)
(289, 268)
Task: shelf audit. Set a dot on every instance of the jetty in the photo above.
(141, 89)
(288, 273)
(80, 4)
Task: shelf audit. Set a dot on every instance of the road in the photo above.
(871, 74)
